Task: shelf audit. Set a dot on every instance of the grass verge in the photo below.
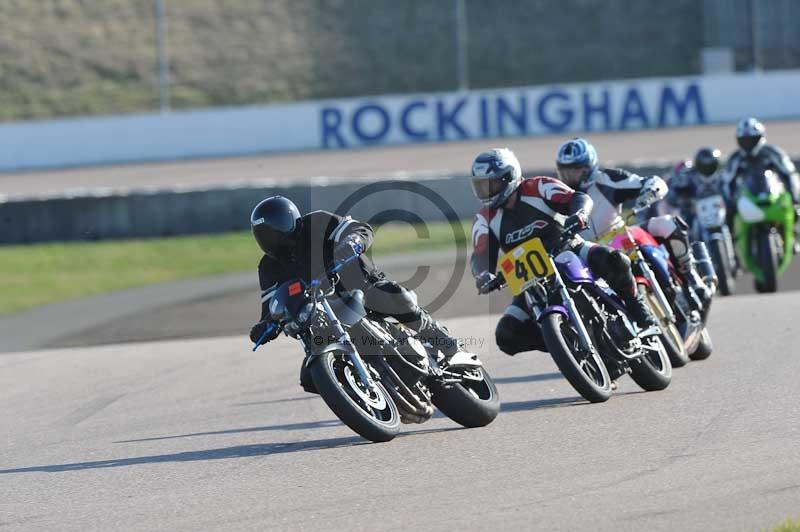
(789, 525)
(38, 274)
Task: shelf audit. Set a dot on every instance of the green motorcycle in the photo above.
(764, 228)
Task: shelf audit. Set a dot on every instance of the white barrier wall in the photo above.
(353, 122)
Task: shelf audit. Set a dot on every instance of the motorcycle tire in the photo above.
(767, 262)
(653, 371)
(719, 257)
(470, 404)
(595, 388)
(374, 417)
(704, 348)
(671, 337)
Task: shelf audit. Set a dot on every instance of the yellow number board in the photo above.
(524, 264)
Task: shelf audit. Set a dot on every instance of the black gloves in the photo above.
(577, 221)
(487, 281)
(259, 328)
(348, 248)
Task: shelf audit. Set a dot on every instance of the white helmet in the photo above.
(496, 174)
(750, 135)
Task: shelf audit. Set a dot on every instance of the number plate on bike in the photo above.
(524, 264)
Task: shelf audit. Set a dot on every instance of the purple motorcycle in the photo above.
(584, 322)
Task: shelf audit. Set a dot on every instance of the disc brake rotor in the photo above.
(372, 397)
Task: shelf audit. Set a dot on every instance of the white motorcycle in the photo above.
(709, 226)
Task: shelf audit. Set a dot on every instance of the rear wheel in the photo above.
(767, 261)
(723, 267)
(474, 402)
(653, 371)
(670, 337)
(704, 348)
(586, 372)
(369, 412)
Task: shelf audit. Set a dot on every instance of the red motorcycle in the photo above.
(679, 310)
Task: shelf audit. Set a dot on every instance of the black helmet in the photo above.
(275, 223)
(707, 160)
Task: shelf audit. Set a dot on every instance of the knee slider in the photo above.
(619, 273)
(505, 335)
(618, 261)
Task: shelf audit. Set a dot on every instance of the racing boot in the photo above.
(639, 312)
(438, 336)
(701, 278)
(681, 251)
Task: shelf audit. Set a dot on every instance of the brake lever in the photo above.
(343, 263)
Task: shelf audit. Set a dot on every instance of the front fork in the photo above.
(574, 316)
(655, 286)
(345, 340)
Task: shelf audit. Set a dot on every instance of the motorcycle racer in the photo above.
(306, 246)
(516, 209)
(754, 150)
(701, 177)
(577, 166)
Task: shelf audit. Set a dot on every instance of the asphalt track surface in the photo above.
(199, 433)
(661, 146)
(205, 435)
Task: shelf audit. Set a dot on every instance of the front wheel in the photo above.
(670, 337)
(723, 267)
(767, 262)
(653, 371)
(586, 372)
(369, 412)
(704, 348)
(474, 402)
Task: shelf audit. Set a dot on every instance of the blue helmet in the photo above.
(575, 161)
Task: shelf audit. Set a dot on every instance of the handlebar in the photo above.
(314, 283)
(494, 284)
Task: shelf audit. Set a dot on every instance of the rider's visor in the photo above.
(572, 175)
(487, 187)
(749, 142)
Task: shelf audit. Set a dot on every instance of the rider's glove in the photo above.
(259, 328)
(348, 248)
(576, 222)
(486, 282)
(653, 190)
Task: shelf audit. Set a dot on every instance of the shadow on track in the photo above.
(529, 378)
(275, 401)
(238, 451)
(537, 404)
(288, 426)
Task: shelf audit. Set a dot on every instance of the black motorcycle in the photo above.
(372, 372)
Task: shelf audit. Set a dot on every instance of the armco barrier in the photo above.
(216, 210)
